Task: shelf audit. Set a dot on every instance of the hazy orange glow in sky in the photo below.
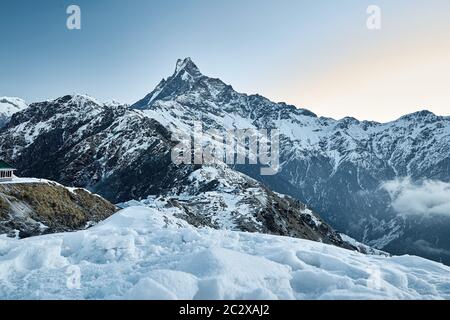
(384, 83)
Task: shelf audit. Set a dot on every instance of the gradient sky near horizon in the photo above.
(316, 54)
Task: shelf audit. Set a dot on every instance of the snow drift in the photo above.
(141, 253)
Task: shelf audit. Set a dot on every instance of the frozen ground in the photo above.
(140, 253)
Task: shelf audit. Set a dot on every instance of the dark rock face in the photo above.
(31, 209)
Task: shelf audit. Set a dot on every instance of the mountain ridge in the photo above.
(187, 64)
(122, 154)
(335, 166)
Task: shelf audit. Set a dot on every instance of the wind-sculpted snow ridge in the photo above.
(140, 253)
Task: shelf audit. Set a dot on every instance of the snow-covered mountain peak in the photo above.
(113, 103)
(10, 105)
(421, 115)
(183, 80)
(188, 66)
(188, 90)
(79, 99)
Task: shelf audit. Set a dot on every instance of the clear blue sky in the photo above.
(315, 54)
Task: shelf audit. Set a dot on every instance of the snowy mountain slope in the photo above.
(122, 154)
(9, 106)
(220, 198)
(77, 141)
(30, 207)
(141, 253)
(337, 167)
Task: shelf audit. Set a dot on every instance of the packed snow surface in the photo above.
(17, 180)
(140, 253)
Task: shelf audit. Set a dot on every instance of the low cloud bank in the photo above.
(429, 197)
(428, 248)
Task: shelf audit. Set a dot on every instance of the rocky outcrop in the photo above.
(35, 208)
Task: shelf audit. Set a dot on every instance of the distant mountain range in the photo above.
(9, 106)
(341, 169)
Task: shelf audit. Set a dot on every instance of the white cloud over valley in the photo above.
(429, 197)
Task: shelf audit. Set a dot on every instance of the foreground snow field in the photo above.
(140, 253)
